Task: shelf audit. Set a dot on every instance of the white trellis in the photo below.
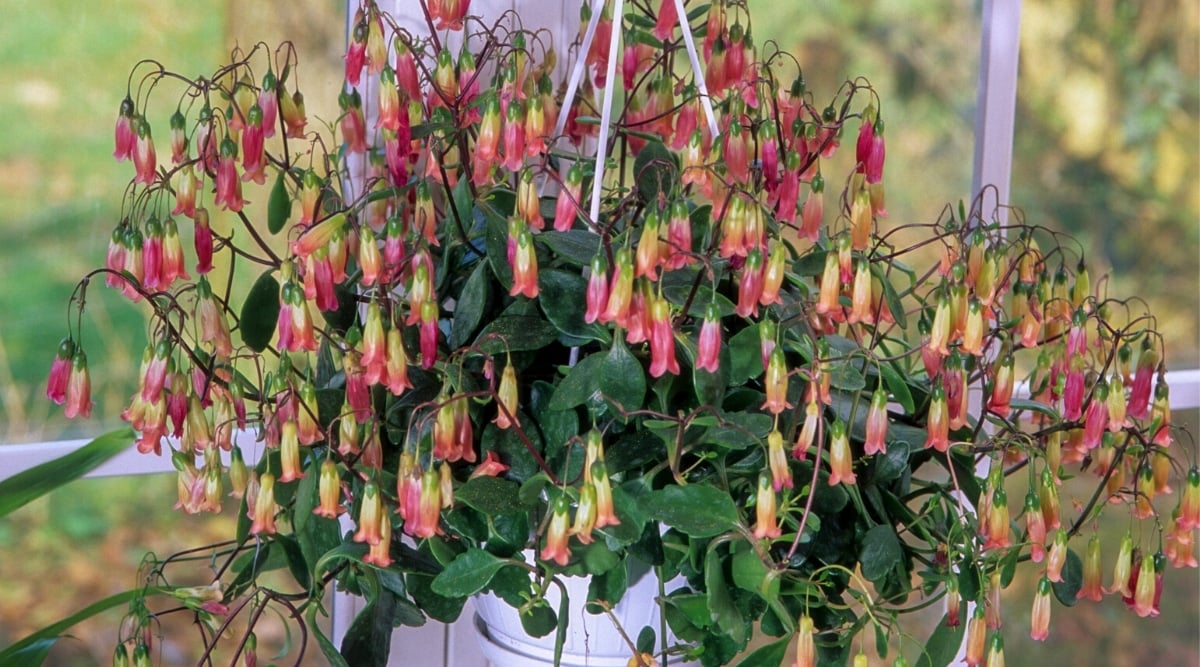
(438, 645)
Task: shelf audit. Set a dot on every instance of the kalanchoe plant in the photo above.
(716, 360)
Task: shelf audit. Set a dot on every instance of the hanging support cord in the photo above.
(701, 86)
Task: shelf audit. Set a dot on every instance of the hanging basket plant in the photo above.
(638, 317)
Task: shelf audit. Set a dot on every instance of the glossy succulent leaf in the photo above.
(279, 205)
(260, 312)
(697, 510)
(43, 478)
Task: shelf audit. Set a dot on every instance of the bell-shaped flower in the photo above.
(428, 334)
(124, 136)
(773, 274)
(831, 287)
(781, 473)
(585, 514)
(202, 239)
(841, 461)
(708, 349)
(253, 156)
(491, 466)
(1035, 527)
(808, 432)
(289, 452)
(144, 161)
(60, 371)
(263, 510)
(513, 136)
(662, 339)
(877, 422)
(506, 398)
(172, 255)
(750, 285)
(649, 252)
(606, 514)
(999, 531)
(976, 639)
(775, 383)
(620, 291)
(370, 515)
(524, 265)
(806, 648)
(597, 288)
(79, 387)
(766, 508)
(214, 328)
(566, 208)
(1040, 614)
(938, 420)
(229, 186)
(557, 533)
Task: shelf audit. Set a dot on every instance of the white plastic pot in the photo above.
(592, 639)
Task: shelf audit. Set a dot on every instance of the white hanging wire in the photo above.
(697, 72)
(580, 67)
(614, 45)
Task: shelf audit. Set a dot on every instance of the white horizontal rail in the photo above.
(18, 458)
(14, 459)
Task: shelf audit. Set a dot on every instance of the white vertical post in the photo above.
(996, 103)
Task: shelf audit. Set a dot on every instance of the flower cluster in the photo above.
(711, 369)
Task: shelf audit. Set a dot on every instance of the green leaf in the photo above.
(559, 296)
(260, 312)
(622, 379)
(516, 333)
(539, 621)
(892, 464)
(881, 553)
(679, 284)
(696, 510)
(43, 478)
(581, 382)
(943, 645)
(279, 205)
(897, 387)
(655, 170)
(1035, 406)
(578, 246)
(749, 573)
(468, 574)
(720, 603)
(512, 449)
(327, 648)
(438, 607)
(843, 375)
(490, 495)
(295, 559)
(890, 297)
(645, 640)
(1067, 590)
(608, 587)
(31, 650)
(710, 387)
(496, 240)
(811, 263)
(745, 356)
(468, 312)
(770, 655)
(368, 641)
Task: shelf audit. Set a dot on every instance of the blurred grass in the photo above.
(65, 65)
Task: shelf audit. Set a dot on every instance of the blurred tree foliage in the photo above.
(1107, 142)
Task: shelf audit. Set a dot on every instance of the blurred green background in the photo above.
(1107, 148)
